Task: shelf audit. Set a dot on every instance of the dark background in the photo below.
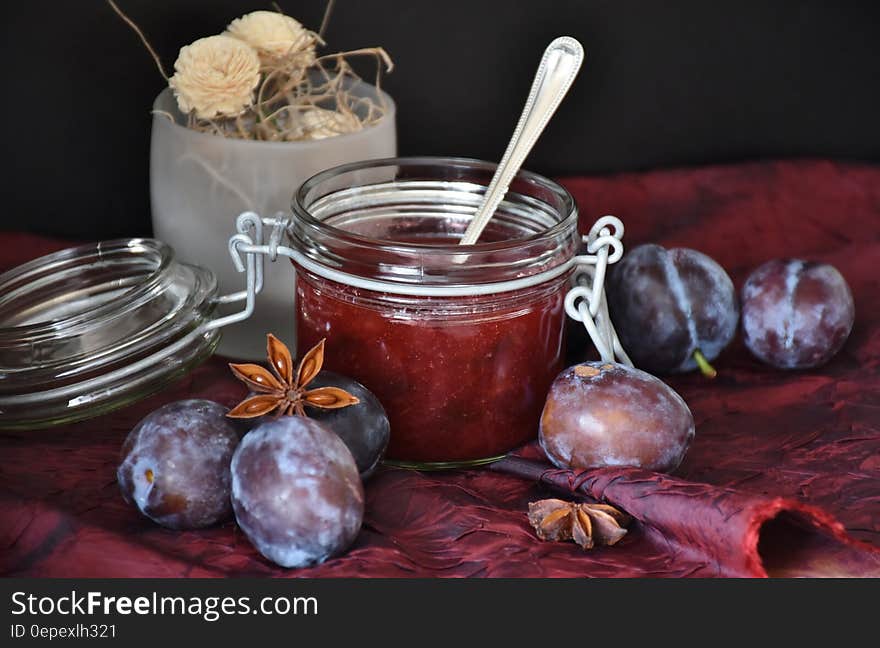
(683, 82)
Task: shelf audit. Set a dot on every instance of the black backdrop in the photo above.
(680, 82)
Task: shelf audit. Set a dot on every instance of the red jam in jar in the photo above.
(459, 343)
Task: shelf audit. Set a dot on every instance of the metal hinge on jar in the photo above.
(586, 301)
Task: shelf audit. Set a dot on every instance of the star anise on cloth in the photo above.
(284, 391)
(586, 524)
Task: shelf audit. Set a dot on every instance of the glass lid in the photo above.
(92, 328)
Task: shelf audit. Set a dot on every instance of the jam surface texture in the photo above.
(462, 378)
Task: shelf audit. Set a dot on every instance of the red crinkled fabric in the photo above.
(783, 477)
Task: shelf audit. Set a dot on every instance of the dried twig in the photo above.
(325, 21)
(137, 30)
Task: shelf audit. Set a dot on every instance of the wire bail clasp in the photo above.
(586, 301)
(247, 250)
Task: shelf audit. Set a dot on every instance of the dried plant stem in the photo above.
(325, 21)
(246, 201)
(290, 89)
(165, 114)
(378, 52)
(300, 96)
(137, 30)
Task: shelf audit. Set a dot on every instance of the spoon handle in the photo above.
(559, 66)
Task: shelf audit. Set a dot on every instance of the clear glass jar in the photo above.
(459, 343)
(90, 329)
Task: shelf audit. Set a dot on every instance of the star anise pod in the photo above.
(284, 392)
(586, 524)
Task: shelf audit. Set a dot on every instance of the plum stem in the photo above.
(707, 369)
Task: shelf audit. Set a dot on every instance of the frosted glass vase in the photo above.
(200, 183)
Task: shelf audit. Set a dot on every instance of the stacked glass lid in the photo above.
(93, 328)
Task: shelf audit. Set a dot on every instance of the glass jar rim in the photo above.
(74, 255)
(305, 217)
(104, 325)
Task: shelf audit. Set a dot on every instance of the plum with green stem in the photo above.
(674, 310)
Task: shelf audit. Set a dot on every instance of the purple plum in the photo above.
(606, 414)
(674, 310)
(296, 491)
(175, 464)
(796, 314)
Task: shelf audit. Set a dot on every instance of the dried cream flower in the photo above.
(215, 77)
(318, 123)
(274, 36)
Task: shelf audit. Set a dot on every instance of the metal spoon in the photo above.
(559, 66)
